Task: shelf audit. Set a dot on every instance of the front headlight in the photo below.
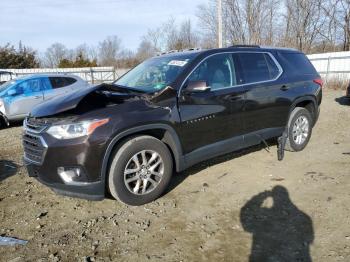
(76, 130)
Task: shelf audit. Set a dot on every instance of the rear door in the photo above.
(267, 96)
(29, 93)
(56, 86)
(211, 116)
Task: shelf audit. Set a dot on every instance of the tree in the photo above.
(55, 54)
(303, 20)
(109, 50)
(171, 36)
(79, 61)
(145, 50)
(24, 57)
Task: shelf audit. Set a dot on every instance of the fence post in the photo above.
(92, 75)
(328, 66)
(114, 73)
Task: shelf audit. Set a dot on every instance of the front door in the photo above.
(27, 95)
(211, 116)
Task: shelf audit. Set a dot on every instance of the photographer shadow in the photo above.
(281, 232)
(7, 169)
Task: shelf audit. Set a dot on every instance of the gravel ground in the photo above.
(237, 206)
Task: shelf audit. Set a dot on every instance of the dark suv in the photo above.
(166, 114)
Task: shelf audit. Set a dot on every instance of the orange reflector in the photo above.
(97, 124)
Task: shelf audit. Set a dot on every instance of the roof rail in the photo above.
(247, 46)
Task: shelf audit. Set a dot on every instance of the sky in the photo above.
(40, 23)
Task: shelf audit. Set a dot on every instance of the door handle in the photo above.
(284, 88)
(37, 97)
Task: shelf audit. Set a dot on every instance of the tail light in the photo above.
(318, 81)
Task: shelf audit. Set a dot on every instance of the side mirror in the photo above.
(11, 92)
(197, 86)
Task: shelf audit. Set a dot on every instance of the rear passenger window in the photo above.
(58, 82)
(257, 67)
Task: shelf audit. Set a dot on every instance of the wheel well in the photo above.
(161, 134)
(309, 105)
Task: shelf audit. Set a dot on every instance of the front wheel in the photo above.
(299, 129)
(140, 171)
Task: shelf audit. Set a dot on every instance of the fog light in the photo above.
(69, 175)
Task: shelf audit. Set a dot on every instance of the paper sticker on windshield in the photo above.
(177, 63)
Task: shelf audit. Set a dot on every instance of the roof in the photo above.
(197, 51)
(26, 77)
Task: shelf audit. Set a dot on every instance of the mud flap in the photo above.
(281, 145)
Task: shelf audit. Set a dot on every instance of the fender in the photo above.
(171, 138)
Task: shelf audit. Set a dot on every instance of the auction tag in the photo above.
(177, 63)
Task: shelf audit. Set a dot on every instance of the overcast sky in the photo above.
(39, 23)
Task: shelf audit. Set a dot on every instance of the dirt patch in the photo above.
(230, 208)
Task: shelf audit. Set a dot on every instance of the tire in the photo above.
(294, 142)
(124, 161)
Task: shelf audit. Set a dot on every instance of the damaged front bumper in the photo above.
(70, 168)
(90, 191)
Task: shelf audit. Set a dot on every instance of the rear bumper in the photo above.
(88, 190)
(317, 115)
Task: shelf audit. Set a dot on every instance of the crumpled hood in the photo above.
(70, 101)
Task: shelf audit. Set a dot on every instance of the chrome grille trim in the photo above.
(34, 147)
(34, 127)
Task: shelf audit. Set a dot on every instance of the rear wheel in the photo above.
(140, 171)
(299, 129)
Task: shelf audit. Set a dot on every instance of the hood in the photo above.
(95, 96)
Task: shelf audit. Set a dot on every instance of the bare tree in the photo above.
(145, 50)
(303, 20)
(244, 22)
(337, 13)
(207, 16)
(109, 50)
(54, 54)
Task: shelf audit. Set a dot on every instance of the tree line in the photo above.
(308, 25)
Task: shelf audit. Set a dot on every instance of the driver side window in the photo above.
(217, 71)
(29, 86)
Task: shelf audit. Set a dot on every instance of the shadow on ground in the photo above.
(178, 178)
(7, 169)
(12, 124)
(344, 101)
(281, 232)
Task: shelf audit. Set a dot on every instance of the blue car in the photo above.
(18, 97)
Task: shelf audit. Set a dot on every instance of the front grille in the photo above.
(34, 148)
(35, 125)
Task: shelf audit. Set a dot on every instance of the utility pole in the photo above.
(219, 23)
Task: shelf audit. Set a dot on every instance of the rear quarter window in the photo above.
(299, 63)
(70, 81)
(59, 82)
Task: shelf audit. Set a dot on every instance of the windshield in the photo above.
(156, 73)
